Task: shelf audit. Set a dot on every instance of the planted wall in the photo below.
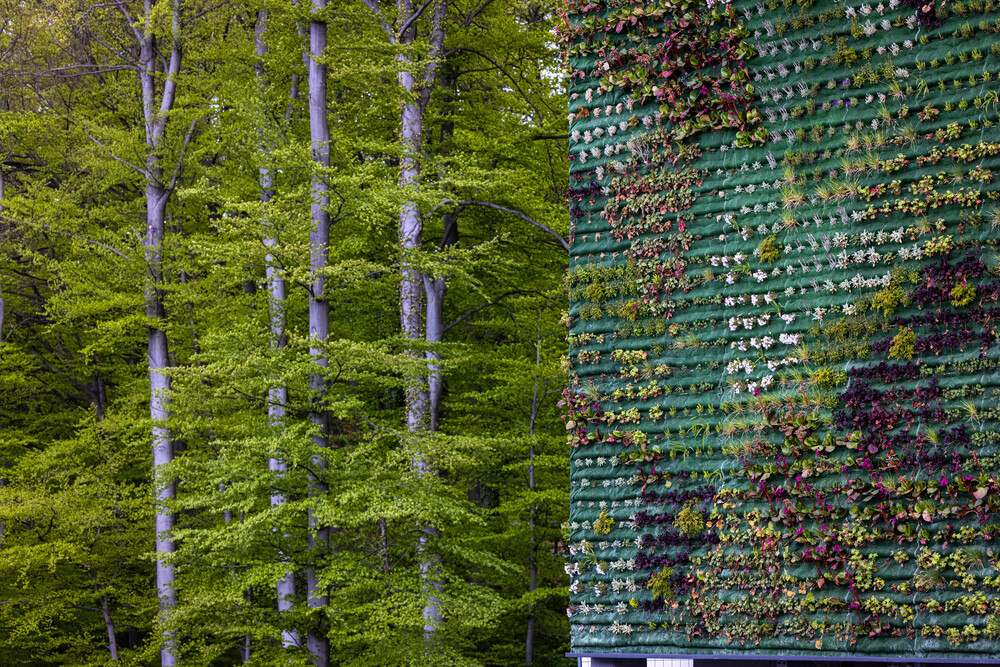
(783, 410)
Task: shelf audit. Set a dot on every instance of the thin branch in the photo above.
(111, 49)
(128, 164)
(499, 67)
(463, 204)
(473, 14)
(380, 428)
(11, 220)
(414, 16)
(91, 69)
(180, 158)
(469, 313)
(128, 19)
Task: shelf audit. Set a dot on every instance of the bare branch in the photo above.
(502, 70)
(414, 16)
(91, 69)
(138, 170)
(474, 13)
(111, 49)
(469, 313)
(128, 18)
(463, 204)
(180, 158)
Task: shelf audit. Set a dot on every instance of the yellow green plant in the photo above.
(903, 345)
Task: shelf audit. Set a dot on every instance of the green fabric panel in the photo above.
(747, 583)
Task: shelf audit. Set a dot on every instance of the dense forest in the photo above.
(281, 329)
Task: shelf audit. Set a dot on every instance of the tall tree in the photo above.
(157, 103)
(277, 397)
(319, 316)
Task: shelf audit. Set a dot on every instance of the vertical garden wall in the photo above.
(783, 407)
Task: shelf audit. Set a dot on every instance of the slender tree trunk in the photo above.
(157, 193)
(319, 314)
(529, 640)
(434, 288)
(159, 408)
(277, 397)
(110, 626)
(418, 400)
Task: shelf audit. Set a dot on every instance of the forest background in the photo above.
(281, 321)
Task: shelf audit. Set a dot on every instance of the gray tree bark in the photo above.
(319, 314)
(418, 397)
(434, 288)
(157, 194)
(411, 291)
(106, 615)
(277, 397)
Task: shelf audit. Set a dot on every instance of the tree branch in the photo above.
(11, 220)
(414, 16)
(469, 313)
(180, 158)
(463, 204)
(474, 13)
(128, 19)
(502, 70)
(377, 13)
(142, 172)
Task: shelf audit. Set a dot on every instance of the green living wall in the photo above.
(783, 393)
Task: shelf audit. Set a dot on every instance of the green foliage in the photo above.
(903, 345)
(661, 583)
(689, 520)
(962, 295)
(769, 251)
(887, 300)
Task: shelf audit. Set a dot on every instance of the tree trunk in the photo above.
(157, 193)
(434, 288)
(159, 408)
(418, 401)
(319, 316)
(110, 626)
(529, 640)
(277, 397)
